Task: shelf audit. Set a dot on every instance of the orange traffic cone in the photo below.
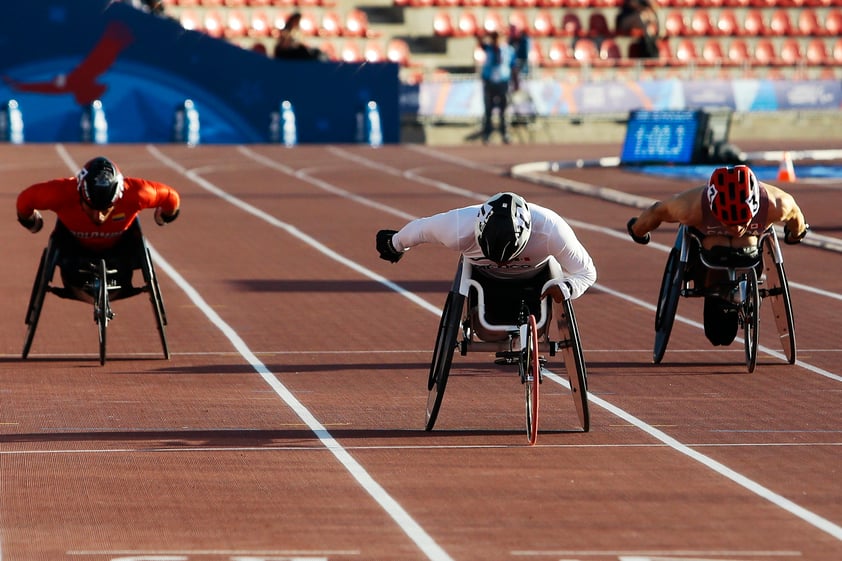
(786, 171)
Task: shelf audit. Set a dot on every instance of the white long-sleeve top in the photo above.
(551, 236)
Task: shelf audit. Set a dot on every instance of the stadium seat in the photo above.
(331, 24)
(467, 24)
(571, 25)
(738, 52)
(610, 53)
(442, 25)
(674, 24)
(543, 25)
(753, 23)
(764, 53)
(524, 3)
(808, 23)
(493, 21)
(727, 23)
(790, 52)
(351, 51)
(700, 23)
(536, 54)
(373, 51)
(560, 54)
(356, 23)
(585, 50)
(213, 24)
(598, 25)
(816, 53)
(685, 52)
(309, 24)
(190, 20)
(397, 50)
(329, 49)
(712, 53)
(236, 24)
(519, 20)
(780, 23)
(833, 23)
(234, 3)
(836, 53)
(259, 24)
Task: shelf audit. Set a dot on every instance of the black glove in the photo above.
(34, 223)
(791, 238)
(639, 239)
(385, 248)
(161, 218)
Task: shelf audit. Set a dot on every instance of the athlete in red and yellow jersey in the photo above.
(96, 215)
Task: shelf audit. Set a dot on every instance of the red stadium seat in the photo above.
(329, 50)
(493, 21)
(351, 51)
(309, 24)
(764, 53)
(536, 54)
(738, 52)
(585, 51)
(685, 52)
(543, 25)
(213, 24)
(836, 53)
(700, 23)
(373, 51)
(609, 51)
(397, 50)
(259, 24)
(519, 20)
(727, 23)
(808, 23)
(712, 52)
(598, 25)
(833, 23)
(331, 25)
(816, 53)
(560, 53)
(753, 23)
(356, 23)
(190, 20)
(571, 25)
(236, 24)
(780, 23)
(790, 53)
(467, 24)
(442, 25)
(674, 24)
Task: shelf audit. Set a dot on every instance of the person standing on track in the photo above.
(729, 214)
(513, 246)
(96, 215)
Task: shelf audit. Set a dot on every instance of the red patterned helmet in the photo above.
(734, 195)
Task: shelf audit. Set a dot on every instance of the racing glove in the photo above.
(34, 223)
(161, 218)
(643, 240)
(793, 239)
(386, 248)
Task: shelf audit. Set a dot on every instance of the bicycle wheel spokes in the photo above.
(532, 370)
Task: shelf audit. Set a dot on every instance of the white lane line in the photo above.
(754, 487)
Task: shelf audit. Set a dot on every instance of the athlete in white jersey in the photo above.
(508, 240)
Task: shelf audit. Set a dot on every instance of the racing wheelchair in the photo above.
(98, 284)
(748, 281)
(468, 328)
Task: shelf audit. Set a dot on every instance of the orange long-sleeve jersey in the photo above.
(62, 197)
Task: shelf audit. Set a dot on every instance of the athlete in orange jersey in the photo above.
(96, 217)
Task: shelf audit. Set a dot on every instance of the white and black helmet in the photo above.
(503, 227)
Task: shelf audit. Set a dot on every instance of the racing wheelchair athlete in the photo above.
(726, 252)
(97, 242)
(520, 267)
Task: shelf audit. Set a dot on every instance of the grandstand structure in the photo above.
(572, 39)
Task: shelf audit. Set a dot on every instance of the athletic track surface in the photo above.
(289, 422)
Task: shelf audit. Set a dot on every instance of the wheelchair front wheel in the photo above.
(667, 304)
(531, 371)
(749, 316)
(443, 355)
(36, 300)
(102, 307)
(151, 280)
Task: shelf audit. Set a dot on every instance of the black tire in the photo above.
(574, 362)
(750, 315)
(782, 308)
(151, 279)
(531, 369)
(101, 308)
(667, 303)
(443, 355)
(36, 298)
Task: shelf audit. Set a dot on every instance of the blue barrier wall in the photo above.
(56, 56)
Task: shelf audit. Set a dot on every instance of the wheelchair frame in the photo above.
(519, 344)
(97, 289)
(744, 288)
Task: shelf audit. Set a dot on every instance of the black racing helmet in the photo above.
(100, 183)
(503, 227)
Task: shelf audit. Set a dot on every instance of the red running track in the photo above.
(288, 423)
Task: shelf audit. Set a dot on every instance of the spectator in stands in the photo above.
(496, 74)
(520, 41)
(639, 18)
(289, 44)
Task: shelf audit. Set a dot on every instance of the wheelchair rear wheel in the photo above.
(749, 315)
(151, 279)
(36, 298)
(574, 363)
(443, 355)
(530, 368)
(667, 303)
(777, 291)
